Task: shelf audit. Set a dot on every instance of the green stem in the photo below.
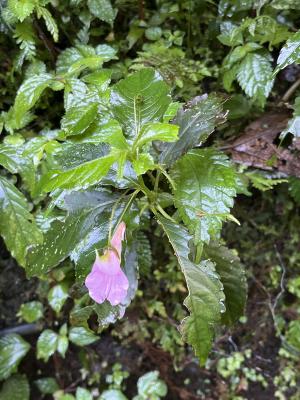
(162, 211)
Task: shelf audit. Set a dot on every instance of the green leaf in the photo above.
(138, 99)
(156, 131)
(143, 163)
(255, 76)
(102, 9)
(150, 386)
(49, 21)
(196, 122)
(294, 188)
(82, 336)
(62, 345)
(21, 8)
(47, 385)
(57, 296)
(16, 388)
(205, 299)
(290, 53)
(29, 93)
(233, 278)
(16, 223)
(83, 394)
(205, 187)
(31, 311)
(112, 394)
(78, 119)
(80, 177)
(85, 224)
(47, 344)
(12, 350)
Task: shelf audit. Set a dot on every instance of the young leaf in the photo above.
(255, 76)
(16, 223)
(102, 9)
(57, 296)
(12, 349)
(138, 99)
(156, 131)
(196, 122)
(47, 344)
(233, 278)
(205, 187)
(21, 9)
(290, 53)
(205, 299)
(16, 386)
(82, 336)
(80, 177)
(31, 311)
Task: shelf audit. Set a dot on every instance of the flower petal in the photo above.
(116, 241)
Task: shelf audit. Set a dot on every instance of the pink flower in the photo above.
(107, 281)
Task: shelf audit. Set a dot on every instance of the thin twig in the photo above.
(291, 90)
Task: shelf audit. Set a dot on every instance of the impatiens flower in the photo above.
(107, 281)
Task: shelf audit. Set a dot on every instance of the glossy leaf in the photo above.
(80, 177)
(138, 99)
(255, 76)
(205, 187)
(149, 386)
(196, 122)
(83, 394)
(13, 349)
(29, 93)
(233, 278)
(47, 385)
(157, 131)
(82, 336)
(16, 388)
(86, 223)
(205, 298)
(78, 119)
(290, 53)
(14, 211)
(47, 344)
(57, 296)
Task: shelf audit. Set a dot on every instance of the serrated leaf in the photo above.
(102, 9)
(255, 76)
(205, 299)
(47, 385)
(49, 21)
(57, 296)
(196, 122)
(16, 223)
(290, 53)
(82, 336)
(143, 163)
(21, 9)
(205, 187)
(31, 311)
(86, 223)
(16, 388)
(80, 177)
(29, 93)
(78, 119)
(138, 99)
(233, 278)
(47, 344)
(12, 350)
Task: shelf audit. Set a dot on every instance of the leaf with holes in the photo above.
(204, 192)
